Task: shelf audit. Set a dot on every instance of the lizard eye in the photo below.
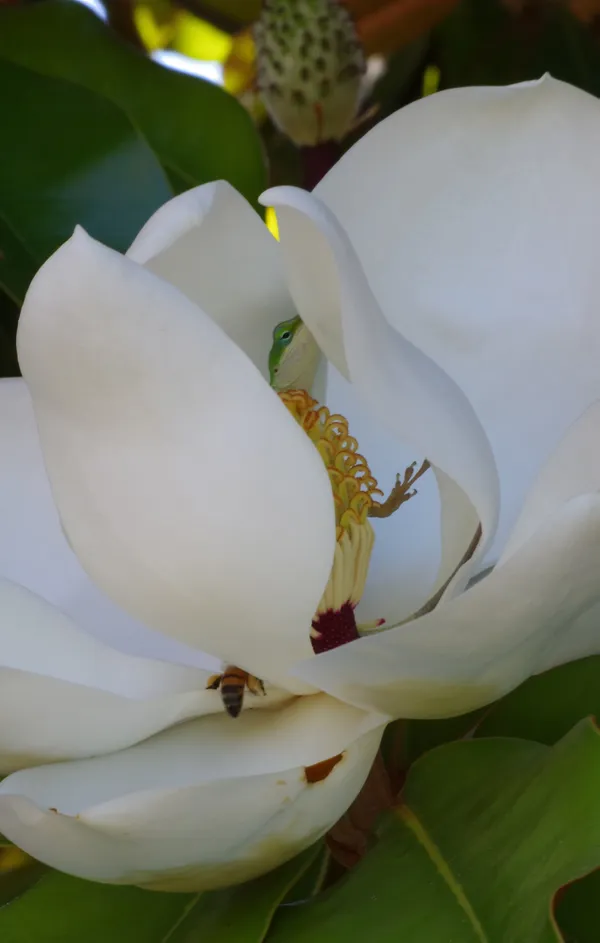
(286, 337)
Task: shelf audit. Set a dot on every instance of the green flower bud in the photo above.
(310, 68)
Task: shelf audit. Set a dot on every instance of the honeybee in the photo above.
(233, 683)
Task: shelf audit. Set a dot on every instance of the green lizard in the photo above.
(294, 357)
(293, 362)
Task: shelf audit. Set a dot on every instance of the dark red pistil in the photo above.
(335, 628)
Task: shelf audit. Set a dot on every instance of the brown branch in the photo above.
(348, 839)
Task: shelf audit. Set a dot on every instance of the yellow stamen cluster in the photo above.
(352, 483)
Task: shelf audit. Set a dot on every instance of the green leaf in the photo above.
(17, 264)
(313, 877)
(62, 909)
(578, 910)
(68, 156)
(424, 735)
(545, 707)
(199, 132)
(18, 873)
(241, 914)
(487, 831)
(482, 43)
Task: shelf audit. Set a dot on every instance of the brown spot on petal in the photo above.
(320, 771)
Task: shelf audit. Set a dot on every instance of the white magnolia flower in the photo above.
(447, 268)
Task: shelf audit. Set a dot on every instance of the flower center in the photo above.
(352, 483)
(354, 488)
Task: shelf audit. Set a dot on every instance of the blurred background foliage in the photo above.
(111, 106)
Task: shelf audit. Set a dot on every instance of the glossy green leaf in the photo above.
(16, 883)
(486, 833)
(17, 263)
(545, 707)
(424, 735)
(313, 878)
(241, 914)
(483, 43)
(68, 156)
(578, 910)
(62, 909)
(199, 132)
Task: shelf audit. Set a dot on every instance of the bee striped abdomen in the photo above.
(233, 686)
(233, 683)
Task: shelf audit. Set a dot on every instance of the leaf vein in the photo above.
(414, 825)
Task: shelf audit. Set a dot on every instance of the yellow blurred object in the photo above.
(200, 40)
(431, 80)
(239, 74)
(12, 859)
(271, 222)
(155, 23)
(240, 63)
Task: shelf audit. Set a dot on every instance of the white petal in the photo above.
(476, 216)
(214, 247)
(211, 803)
(573, 468)
(474, 649)
(34, 550)
(406, 391)
(186, 489)
(64, 695)
(459, 525)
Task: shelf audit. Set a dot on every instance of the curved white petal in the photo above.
(572, 469)
(475, 214)
(459, 531)
(474, 649)
(214, 247)
(188, 492)
(406, 391)
(208, 804)
(63, 694)
(34, 550)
